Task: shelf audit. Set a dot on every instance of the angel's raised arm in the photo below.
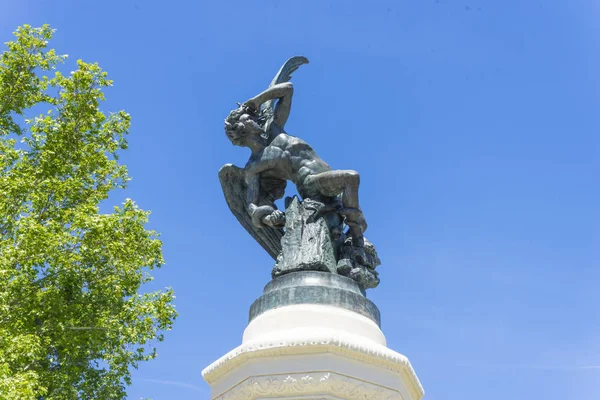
(282, 92)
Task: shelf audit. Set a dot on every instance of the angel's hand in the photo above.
(251, 104)
(275, 220)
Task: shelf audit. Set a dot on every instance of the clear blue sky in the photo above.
(474, 125)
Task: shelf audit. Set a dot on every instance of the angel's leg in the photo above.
(332, 183)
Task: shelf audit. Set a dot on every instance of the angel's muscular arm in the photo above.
(262, 215)
(283, 92)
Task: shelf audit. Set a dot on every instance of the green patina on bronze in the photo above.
(312, 287)
(322, 231)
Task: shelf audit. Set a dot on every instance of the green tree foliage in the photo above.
(72, 323)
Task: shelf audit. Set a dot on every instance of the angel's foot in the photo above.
(355, 249)
(360, 255)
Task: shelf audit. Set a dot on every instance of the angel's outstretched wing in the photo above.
(283, 75)
(235, 191)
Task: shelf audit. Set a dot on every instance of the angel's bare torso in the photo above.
(287, 158)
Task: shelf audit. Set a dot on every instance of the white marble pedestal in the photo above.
(312, 351)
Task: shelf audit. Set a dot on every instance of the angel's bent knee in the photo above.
(352, 177)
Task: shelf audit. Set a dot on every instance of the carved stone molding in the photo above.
(322, 342)
(314, 383)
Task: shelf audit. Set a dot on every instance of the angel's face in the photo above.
(235, 131)
(236, 135)
(239, 130)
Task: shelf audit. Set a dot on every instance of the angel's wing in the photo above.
(235, 191)
(284, 75)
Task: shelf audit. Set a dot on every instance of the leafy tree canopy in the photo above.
(72, 322)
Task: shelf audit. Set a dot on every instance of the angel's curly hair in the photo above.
(242, 119)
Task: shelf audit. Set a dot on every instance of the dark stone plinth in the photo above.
(313, 287)
(308, 244)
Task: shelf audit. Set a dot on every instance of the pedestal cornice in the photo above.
(304, 343)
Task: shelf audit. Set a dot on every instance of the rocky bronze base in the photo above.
(359, 264)
(314, 240)
(312, 287)
(308, 243)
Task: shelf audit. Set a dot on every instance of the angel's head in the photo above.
(242, 123)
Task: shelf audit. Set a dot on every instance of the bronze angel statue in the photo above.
(329, 197)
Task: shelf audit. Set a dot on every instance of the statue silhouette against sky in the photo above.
(277, 157)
